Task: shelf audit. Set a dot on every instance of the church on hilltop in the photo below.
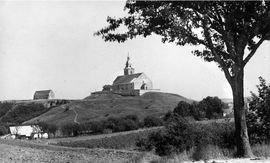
(129, 84)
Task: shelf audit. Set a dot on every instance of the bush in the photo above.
(71, 129)
(96, 126)
(184, 109)
(3, 130)
(117, 124)
(112, 124)
(177, 137)
(48, 128)
(258, 115)
(181, 135)
(151, 121)
(209, 107)
(213, 107)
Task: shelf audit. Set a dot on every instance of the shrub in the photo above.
(3, 130)
(107, 88)
(213, 107)
(181, 135)
(151, 121)
(112, 124)
(177, 137)
(49, 128)
(209, 107)
(117, 124)
(184, 109)
(96, 126)
(71, 129)
(258, 115)
(213, 133)
(132, 117)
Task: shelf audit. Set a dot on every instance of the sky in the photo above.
(50, 45)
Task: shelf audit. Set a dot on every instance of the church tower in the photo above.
(128, 70)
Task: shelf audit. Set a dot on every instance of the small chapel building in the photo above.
(131, 83)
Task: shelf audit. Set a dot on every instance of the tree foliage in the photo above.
(184, 109)
(225, 28)
(3, 130)
(48, 128)
(258, 117)
(107, 88)
(209, 107)
(213, 107)
(151, 121)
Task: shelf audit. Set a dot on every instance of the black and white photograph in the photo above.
(135, 81)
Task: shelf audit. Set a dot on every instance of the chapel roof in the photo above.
(123, 79)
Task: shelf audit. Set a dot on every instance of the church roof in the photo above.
(42, 94)
(125, 78)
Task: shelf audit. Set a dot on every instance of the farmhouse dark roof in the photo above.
(42, 94)
(125, 78)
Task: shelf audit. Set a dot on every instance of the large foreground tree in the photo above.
(230, 32)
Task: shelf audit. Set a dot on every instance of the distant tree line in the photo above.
(208, 108)
(110, 125)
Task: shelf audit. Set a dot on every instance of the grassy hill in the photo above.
(95, 108)
(18, 111)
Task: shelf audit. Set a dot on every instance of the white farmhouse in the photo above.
(28, 131)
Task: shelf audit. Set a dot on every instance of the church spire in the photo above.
(128, 70)
(128, 64)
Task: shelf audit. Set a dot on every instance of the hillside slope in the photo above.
(91, 108)
(18, 111)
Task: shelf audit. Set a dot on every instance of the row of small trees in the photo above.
(112, 124)
(208, 108)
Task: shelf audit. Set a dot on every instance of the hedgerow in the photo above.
(180, 135)
(121, 141)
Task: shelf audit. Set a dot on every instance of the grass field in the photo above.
(121, 140)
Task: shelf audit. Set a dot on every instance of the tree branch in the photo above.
(221, 31)
(216, 56)
(254, 49)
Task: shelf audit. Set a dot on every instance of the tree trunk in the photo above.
(242, 140)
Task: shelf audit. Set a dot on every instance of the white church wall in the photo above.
(138, 82)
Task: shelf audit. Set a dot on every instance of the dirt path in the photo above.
(76, 115)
